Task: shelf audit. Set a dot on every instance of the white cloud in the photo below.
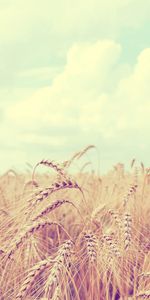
(94, 98)
(87, 75)
(134, 92)
(83, 96)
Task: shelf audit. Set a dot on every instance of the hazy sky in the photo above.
(74, 73)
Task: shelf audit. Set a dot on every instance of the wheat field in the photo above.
(75, 236)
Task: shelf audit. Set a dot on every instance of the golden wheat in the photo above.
(55, 246)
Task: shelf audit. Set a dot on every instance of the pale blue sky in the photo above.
(74, 73)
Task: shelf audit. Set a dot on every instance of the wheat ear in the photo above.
(143, 294)
(32, 275)
(62, 263)
(43, 194)
(51, 207)
(132, 191)
(112, 246)
(127, 220)
(51, 164)
(26, 233)
(91, 245)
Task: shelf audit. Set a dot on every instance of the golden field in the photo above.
(75, 237)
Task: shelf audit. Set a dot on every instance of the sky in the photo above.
(74, 73)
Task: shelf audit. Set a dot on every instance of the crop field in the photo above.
(75, 236)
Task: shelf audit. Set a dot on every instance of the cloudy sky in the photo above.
(74, 73)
